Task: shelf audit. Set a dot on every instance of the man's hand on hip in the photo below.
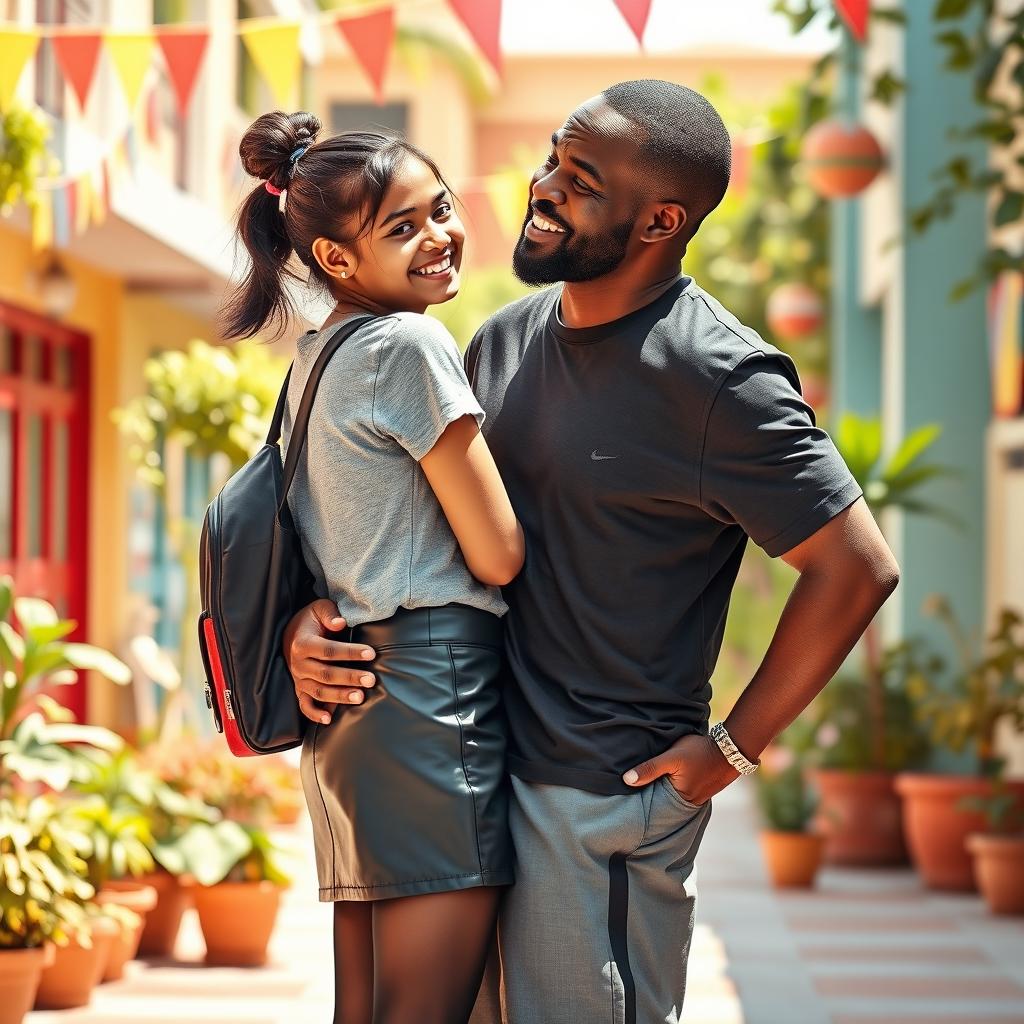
(312, 652)
(695, 767)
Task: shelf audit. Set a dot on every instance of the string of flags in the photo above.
(69, 204)
(272, 43)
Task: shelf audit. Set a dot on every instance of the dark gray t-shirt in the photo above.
(639, 456)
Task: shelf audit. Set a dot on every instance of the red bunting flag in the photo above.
(183, 54)
(370, 37)
(636, 13)
(855, 14)
(77, 56)
(483, 19)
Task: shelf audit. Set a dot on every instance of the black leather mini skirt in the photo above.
(407, 791)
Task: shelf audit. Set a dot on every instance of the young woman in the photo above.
(407, 527)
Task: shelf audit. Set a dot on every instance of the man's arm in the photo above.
(846, 574)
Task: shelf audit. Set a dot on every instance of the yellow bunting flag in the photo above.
(508, 192)
(42, 221)
(131, 53)
(274, 48)
(16, 49)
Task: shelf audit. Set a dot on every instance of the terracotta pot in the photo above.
(793, 858)
(20, 970)
(75, 970)
(936, 827)
(999, 870)
(137, 897)
(289, 812)
(160, 931)
(861, 818)
(237, 919)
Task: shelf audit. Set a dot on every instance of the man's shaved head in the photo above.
(683, 144)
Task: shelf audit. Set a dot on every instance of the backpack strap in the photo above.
(298, 435)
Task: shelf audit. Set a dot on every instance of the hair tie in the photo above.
(294, 158)
(272, 189)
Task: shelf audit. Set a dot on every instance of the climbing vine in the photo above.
(989, 46)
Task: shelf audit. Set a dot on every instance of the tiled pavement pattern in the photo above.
(865, 948)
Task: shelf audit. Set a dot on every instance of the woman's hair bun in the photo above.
(268, 143)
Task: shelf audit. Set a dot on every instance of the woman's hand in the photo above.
(311, 651)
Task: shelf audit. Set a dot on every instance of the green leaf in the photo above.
(34, 611)
(73, 732)
(88, 657)
(1010, 208)
(912, 448)
(945, 10)
(12, 640)
(6, 596)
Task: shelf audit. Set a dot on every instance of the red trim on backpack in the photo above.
(236, 744)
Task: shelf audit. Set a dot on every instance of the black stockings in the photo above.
(412, 960)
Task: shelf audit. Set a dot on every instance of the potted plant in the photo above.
(998, 852)
(239, 891)
(860, 814)
(961, 707)
(41, 900)
(115, 846)
(860, 810)
(792, 849)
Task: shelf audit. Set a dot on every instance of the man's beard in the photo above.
(573, 259)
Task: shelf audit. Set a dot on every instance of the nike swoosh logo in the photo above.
(600, 458)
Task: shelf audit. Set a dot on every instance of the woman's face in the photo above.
(411, 255)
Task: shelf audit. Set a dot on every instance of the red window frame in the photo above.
(63, 581)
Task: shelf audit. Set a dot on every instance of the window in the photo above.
(389, 118)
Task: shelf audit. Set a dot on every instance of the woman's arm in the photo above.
(462, 473)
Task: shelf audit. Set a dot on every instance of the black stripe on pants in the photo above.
(618, 914)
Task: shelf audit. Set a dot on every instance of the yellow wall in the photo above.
(124, 328)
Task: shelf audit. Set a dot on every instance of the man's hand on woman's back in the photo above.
(312, 652)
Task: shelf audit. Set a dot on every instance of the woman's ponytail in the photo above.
(268, 151)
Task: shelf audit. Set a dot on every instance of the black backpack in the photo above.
(253, 579)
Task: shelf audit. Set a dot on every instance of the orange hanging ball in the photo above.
(840, 158)
(794, 311)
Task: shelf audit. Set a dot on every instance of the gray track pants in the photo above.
(597, 928)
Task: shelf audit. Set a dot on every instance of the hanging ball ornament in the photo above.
(840, 159)
(794, 311)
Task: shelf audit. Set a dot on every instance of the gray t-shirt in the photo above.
(373, 533)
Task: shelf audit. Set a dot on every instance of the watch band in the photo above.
(721, 736)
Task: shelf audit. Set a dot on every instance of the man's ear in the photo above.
(335, 260)
(666, 220)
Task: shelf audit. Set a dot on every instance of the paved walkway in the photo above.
(865, 948)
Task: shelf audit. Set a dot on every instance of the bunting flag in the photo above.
(77, 56)
(1006, 343)
(131, 53)
(42, 222)
(274, 48)
(508, 192)
(183, 55)
(370, 37)
(17, 48)
(61, 218)
(855, 16)
(636, 13)
(483, 20)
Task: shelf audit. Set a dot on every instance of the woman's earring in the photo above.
(344, 273)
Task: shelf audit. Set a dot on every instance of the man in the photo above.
(643, 434)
